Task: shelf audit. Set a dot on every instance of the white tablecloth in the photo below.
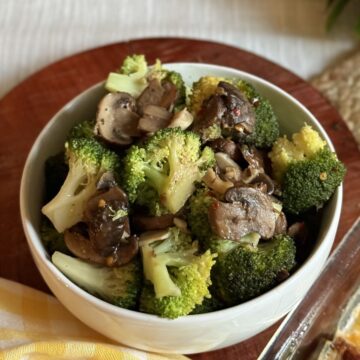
(34, 33)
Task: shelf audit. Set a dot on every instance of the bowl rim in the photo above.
(39, 251)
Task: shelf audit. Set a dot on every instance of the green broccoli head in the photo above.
(209, 304)
(192, 279)
(170, 162)
(119, 286)
(199, 223)
(83, 129)
(307, 169)
(87, 160)
(311, 182)
(266, 123)
(246, 272)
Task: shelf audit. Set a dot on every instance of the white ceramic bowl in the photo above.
(190, 334)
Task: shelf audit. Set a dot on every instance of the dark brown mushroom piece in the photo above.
(253, 156)
(78, 242)
(117, 120)
(211, 113)
(108, 226)
(239, 116)
(281, 224)
(265, 182)
(146, 223)
(226, 146)
(247, 210)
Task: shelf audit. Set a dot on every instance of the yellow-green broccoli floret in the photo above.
(87, 160)
(304, 144)
(170, 162)
(178, 278)
(131, 78)
(309, 172)
(119, 285)
(246, 271)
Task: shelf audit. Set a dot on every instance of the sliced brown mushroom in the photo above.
(211, 113)
(81, 247)
(226, 146)
(182, 119)
(163, 94)
(154, 118)
(240, 115)
(116, 119)
(281, 224)
(146, 223)
(253, 156)
(249, 210)
(108, 226)
(106, 181)
(214, 182)
(264, 179)
(170, 95)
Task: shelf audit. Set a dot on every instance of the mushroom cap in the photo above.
(117, 120)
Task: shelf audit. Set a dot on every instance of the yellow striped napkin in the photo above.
(35, 326)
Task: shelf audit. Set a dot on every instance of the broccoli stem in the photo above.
(88, 276)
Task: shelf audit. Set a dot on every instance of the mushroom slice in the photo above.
(116, 120)
(154, 118)
(146, 223)
(152, 95)
(249, 211)
(281, 224)
(81, 246)
(170, 95)
(106, 181)
(224, 161)
(226, 146)
(240, 115)
(106, 217)
(253, 156)
(213, 181)
(182, 119)
(124, 254)
(264, 179)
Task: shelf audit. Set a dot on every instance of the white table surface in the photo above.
(34, 33)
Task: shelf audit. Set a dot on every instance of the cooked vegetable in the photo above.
(232, 108)
(119, 286)
(246, 271)
(307, 169)
(201, 206)
(178, 278)
(131, 78)
(170, 162)
(87, 160)
(198, 218)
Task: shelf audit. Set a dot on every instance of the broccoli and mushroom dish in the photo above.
(177, 200)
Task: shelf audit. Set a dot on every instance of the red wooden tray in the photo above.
(29, 106)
